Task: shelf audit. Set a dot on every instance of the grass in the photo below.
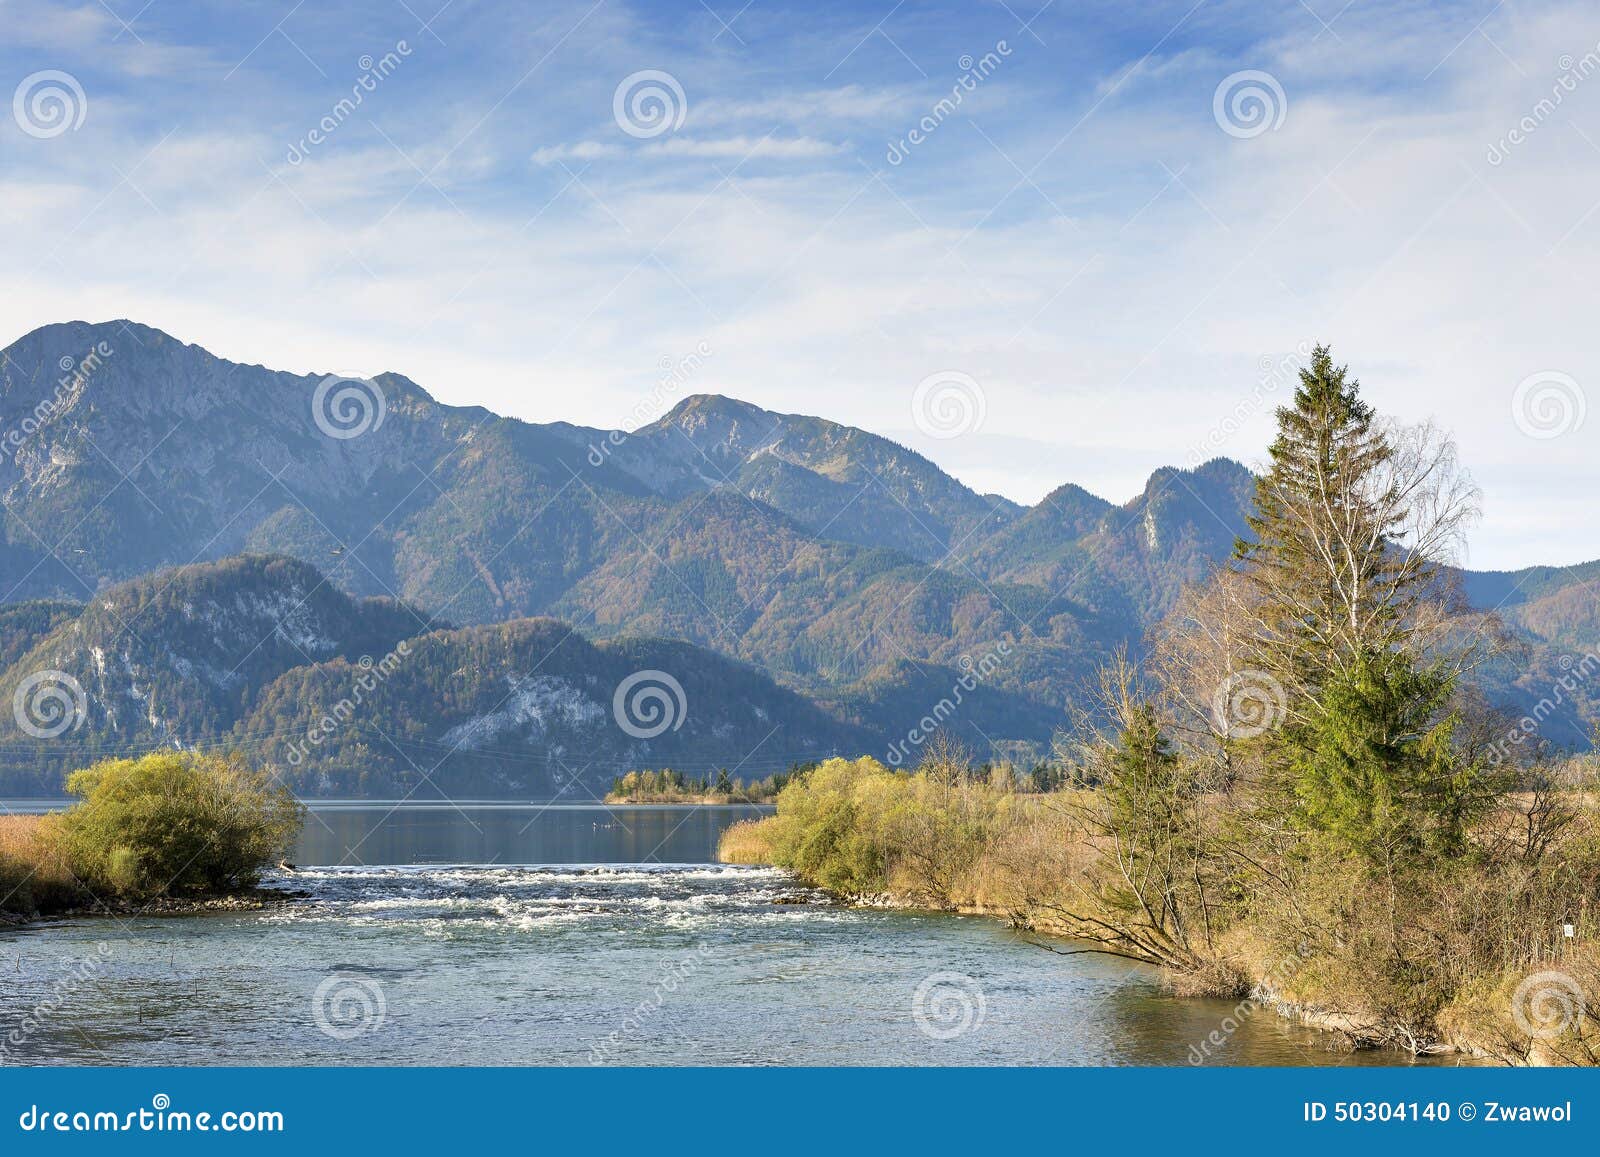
(35, 875)
(747, 842)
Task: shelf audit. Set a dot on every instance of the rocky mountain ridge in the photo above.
(847, 568)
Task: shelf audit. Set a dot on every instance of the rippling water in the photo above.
(590, 963)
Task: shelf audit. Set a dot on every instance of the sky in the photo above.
(1068, 242)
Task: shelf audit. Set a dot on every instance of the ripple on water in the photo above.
(540, 964)
(452, 900)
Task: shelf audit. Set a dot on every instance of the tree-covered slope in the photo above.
(178, 657)
(350, 696)
(827, 557)
(531, 708)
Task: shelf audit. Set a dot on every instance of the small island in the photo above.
(669, 786)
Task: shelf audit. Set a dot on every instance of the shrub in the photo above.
(34, 872)
(824, 829)
(856, 828)
(175, 822)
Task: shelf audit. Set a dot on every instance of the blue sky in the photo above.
(1095, 244)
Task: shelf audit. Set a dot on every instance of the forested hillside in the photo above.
(345, 696)
(843, 566)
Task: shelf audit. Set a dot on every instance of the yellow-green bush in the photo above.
(857, 828)
(1142, 859)
(828, 830)
(175, 823)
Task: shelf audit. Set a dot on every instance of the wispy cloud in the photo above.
(841, 104)
(582, 151)
(766, 148)
(1086, 243)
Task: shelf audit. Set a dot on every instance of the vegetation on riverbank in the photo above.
(34, 873)
(1468, 954)
(1295, 799)
(167, 825)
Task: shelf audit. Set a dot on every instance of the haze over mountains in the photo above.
(855, 581)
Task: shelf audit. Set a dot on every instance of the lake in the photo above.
(502, 934)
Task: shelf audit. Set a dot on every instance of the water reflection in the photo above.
(488, 833)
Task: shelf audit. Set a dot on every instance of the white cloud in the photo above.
(851, 102)
(582, 151)
(754, 147)
(1113, 303)
(736, 148)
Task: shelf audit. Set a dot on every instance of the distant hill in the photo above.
(530, 707)
(345, 697)
(839, 564)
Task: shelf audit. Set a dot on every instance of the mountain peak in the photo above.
(713, 406)
(122, 327)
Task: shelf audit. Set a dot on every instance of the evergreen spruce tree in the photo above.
(1323, 561)
(1338, 566)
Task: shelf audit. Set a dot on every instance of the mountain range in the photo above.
(209, 549)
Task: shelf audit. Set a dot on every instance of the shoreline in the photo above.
(249, 900)
(1332, 955)
(36, 806)
(695, 801)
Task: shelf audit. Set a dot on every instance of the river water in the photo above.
(517, 935)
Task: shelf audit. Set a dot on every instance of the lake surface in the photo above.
(525, 935)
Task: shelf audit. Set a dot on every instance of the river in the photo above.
(526, 935)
